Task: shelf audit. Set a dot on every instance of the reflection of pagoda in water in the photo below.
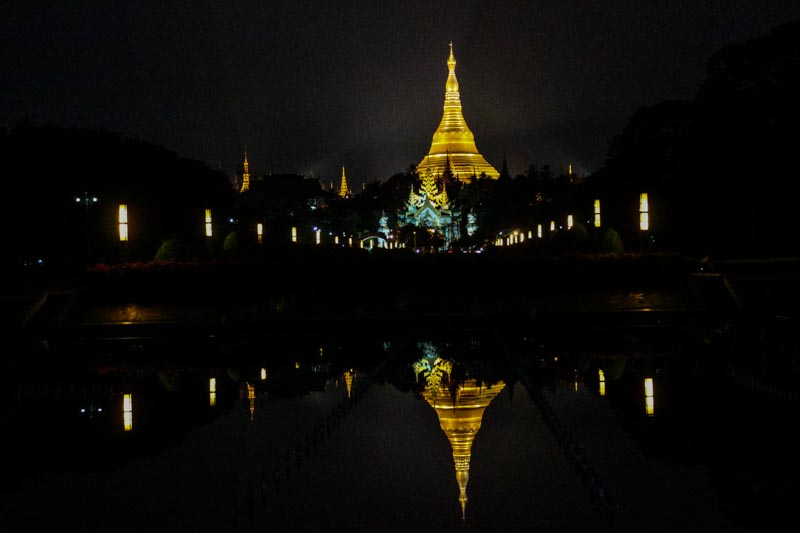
(460, 411)
(348, 381)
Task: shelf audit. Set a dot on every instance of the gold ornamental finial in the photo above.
(452, 81)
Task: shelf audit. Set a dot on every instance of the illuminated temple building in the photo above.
(430, 208)
(460, 411)
(453, 143)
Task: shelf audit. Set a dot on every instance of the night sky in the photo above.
(311, 86)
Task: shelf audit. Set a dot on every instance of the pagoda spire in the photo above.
(444, 201)
(453, 137)
(344, 191)
(245, 175)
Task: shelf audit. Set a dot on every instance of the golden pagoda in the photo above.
(245, 175)
(453, 143)
(344, 191)
(460, 413)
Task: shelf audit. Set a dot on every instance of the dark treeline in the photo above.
(717, 169)
(54, 174)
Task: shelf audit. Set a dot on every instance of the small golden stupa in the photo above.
(245, 175)
(344, 190)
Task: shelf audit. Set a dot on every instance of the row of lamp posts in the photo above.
(87, 200)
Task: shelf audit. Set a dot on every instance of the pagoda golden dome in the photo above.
(453, 142)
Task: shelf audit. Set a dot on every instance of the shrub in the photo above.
(610, 242)
(172, 250)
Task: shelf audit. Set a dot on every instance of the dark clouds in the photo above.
(311, 86)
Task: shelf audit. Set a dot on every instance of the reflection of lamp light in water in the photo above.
(602, 377)
(127, 412)
(460, 415)
(649, 399)
(212, 391)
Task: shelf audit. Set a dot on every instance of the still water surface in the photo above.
(504, 432)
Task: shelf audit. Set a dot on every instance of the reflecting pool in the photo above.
(564, 430)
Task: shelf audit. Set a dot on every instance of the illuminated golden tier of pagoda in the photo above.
(460, 417)
(453, 139)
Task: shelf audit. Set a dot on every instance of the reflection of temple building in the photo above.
(453, 146)
(460, 413)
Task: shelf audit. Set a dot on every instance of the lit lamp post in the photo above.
(644, 218)
(209, 227)
(209, 232)
(649, 397)
(127, 411)
(122, 219)
(597, 213)
(86, 200)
